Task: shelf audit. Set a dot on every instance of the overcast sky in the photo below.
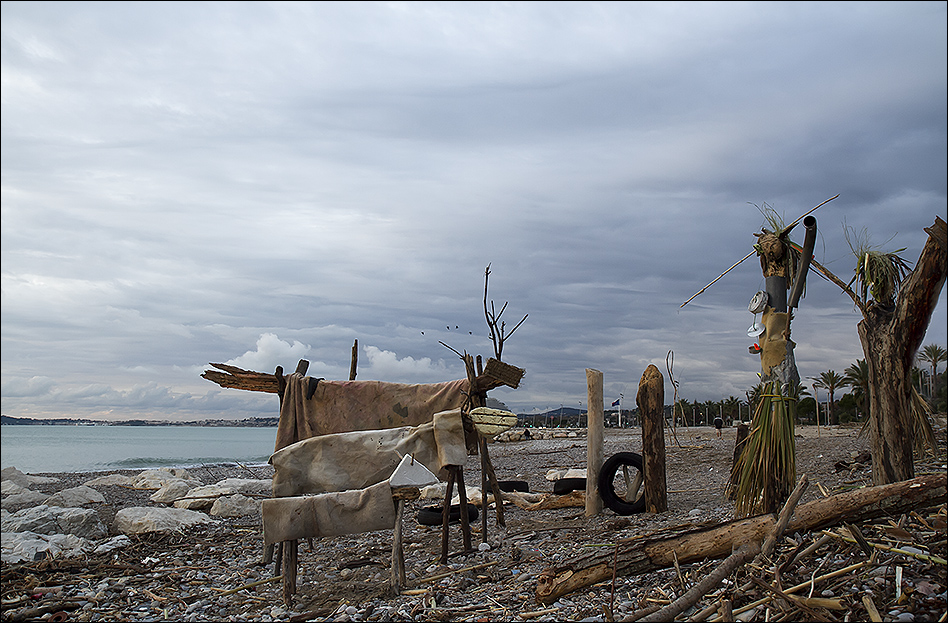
(260, 183)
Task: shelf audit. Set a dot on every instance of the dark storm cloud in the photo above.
(256, 183)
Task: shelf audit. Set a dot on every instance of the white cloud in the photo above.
(385, 365)
(271, 352)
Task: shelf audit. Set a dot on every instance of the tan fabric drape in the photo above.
(344, 406)
(360, 459)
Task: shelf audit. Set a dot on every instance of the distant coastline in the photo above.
(254, 422)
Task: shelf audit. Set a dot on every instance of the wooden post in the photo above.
(354, 361)
(594, 434)
(743, 430)
(651, 402)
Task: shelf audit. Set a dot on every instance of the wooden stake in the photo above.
(594, 435)
(651, 402)
(354, 361)
(398, 553)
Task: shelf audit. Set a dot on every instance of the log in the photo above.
(237, 378)
(651, 402)
(657, 551)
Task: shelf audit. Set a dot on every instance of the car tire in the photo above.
(431, 515)
(568, 485)
(508, 486)
(607, 488)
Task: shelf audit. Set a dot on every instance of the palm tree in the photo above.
(856, 376)
(933, 354)
(830, 381)
(732, 408)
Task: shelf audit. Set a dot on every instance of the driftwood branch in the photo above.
(707, 584)
(236, 378)
(654, 552)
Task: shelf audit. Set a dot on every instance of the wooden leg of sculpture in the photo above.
(446, 515)
(290, 549)
(278, 563)
(465, 520)
(483, 448)
(398, 554)
(492, 477)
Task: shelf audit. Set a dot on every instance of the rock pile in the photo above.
(37, 525)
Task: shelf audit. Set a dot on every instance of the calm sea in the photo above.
(45, 449)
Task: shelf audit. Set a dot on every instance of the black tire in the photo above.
(508, 486)
(568, 485)
(607, 483)
(431, 515)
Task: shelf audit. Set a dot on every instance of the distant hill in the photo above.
(254, 422)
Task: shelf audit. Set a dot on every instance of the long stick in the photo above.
(719, 276)
(707, 584)
(753, 252)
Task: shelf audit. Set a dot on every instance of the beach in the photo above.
(215, 571)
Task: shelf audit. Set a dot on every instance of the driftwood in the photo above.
(651, 400)
(496, 374)
(658, 551)
(747, 551)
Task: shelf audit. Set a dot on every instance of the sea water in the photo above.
(46, 449)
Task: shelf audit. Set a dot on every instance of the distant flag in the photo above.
(616, 403)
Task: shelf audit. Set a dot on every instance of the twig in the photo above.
(251, 585)
(813, 614)
(800, 586)
(768, 547)
(432, 578)
(713, 579)
(895, 550)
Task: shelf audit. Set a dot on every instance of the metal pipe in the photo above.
(809, 242)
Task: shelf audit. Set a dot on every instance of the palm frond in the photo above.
(767, 466)
(878, 273)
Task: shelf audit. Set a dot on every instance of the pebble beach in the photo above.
(216, 571)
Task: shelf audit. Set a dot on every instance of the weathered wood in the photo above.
(237, 378)
(707, 584)
(398, 578)
(354, 360)
(768, 546)
(290, 567)
(651, 402)
(658, 551)
(743, 431)
(594, 436)
(233, 377)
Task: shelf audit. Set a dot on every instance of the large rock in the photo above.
(117, 480)
(15, 494)
(9, 487)
(44, 519)
(236, 505)
(173, 490)
(28, 546)
(77, 496)
(156, 478)
(247, 485)
(141, 519)
(25, 480)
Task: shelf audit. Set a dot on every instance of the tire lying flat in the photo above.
(431, 515)
(607, 483)
(508, 486)
(568, 485)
